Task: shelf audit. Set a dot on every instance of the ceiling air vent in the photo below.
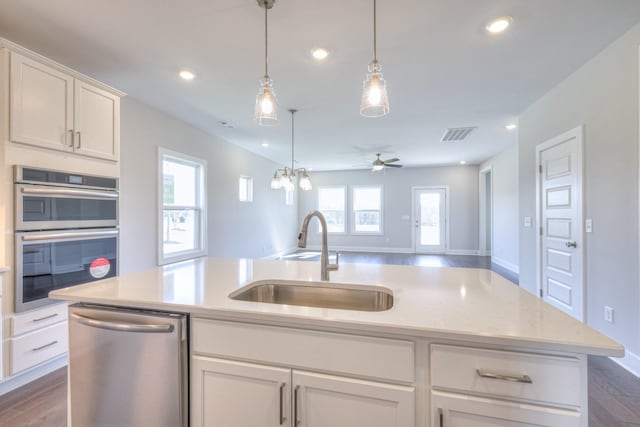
(457, 134)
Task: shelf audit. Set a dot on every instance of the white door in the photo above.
(430, 219)
(41, 105)
(560, 256)
(228, 393)
(453, 410)
(97, 122)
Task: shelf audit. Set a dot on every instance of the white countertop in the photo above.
(456, 303)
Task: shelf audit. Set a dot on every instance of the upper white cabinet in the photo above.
(52, 108)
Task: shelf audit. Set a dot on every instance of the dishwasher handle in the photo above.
(119, 326)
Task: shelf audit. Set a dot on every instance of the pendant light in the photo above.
(266, 109)
(374, 102)
(288, 174)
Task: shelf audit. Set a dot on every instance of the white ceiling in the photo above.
(442, 68)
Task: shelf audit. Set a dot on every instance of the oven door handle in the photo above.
(69, 192)
(73, 235)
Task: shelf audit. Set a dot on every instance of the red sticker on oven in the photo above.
(99, 268)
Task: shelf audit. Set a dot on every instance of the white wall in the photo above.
(235, 229)
(602, 96)
(505, 199)
(461, 180)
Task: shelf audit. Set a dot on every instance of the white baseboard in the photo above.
(630, 362)
(379, 249)
(506, 264)
(462, 252)
(333, 248)
(279, 255)
(26, 377)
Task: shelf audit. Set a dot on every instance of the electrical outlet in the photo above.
(608, 314)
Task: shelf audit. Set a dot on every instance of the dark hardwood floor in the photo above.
(614, 393)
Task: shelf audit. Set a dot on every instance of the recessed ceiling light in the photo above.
(499, 25)
(319, 53)
(511, 126)
(187, 75)
(463, 162)
(265, 144)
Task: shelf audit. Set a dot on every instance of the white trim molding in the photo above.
(382, 249)
(506, 264)
(460, 252)
(25, 377)
(630, 362)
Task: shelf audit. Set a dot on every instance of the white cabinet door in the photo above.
(97, 122)
(228, 393)
(41, 111)
(328, 401)
(454, 410)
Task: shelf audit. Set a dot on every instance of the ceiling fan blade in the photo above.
(392, 166)
(395, 159)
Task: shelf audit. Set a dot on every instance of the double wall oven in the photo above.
(66, 232)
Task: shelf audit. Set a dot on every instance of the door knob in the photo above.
(572, 244)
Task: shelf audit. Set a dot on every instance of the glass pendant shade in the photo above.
(276, 184)
(266, 111)
(375, 102)
(305, 182)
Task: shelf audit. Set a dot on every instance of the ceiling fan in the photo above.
(378, 164)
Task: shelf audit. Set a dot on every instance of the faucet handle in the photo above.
(334, 267)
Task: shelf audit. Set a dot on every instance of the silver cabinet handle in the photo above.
(78, 133)
(74, 235)
(40, 319)
(71, 139)
(282, 417)
(440, 417)
(45, 346)
(521, 379)
(296, 421)
(122, 327)
(572, 244)
(69, 192)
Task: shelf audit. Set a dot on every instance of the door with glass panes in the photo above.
(430, 220)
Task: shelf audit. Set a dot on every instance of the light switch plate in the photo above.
(527, 221)
(588, 225)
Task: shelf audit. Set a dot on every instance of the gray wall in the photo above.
(235, 229)
(504, 170)
(602, 95)
(463, 204)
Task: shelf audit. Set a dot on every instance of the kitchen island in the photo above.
(458, 347)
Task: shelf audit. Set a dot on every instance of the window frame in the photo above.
(246, 179)
(200, 207)
(345, 209)
(352, 228)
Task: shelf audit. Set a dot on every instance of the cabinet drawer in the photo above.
(31, 320)
(37, 347)
(470, 411)
(555, 380)
(352, 354)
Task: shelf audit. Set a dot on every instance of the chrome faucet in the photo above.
(325, 267)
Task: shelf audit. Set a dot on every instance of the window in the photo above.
(245, 192)
(331, 202)
(367, 210)
(288, 196)
(182, 207)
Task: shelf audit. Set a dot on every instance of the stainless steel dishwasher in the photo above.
(127, 368)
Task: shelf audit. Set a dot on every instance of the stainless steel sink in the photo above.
(317, 294)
